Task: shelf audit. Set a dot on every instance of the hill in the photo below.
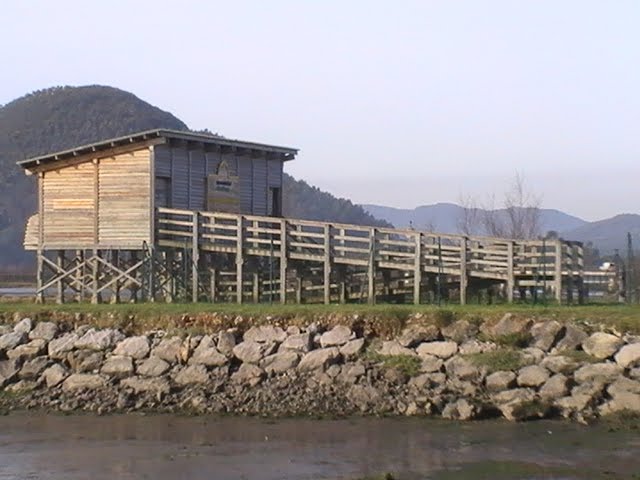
(444, 217)
(609, 234)
(63, 117)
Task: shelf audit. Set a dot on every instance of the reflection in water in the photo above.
(168, 447)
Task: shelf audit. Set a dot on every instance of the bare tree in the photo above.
(518, 216)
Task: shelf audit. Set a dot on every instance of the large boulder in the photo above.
(571, 339)
(298, 342)
(84, 361)
(546, 334)
(169, 350)
(509, 325)
(280, 362)
(601, 372)
(23, 326)
(393, 348)
(146, 385)
(249, 374)
(83, 381)
(602, 345)
(134, 347)
(628, 356)
(461, 409)
(59, 347)
(430, 364)
(207, 354)
(499, 381)
(337, 336)
(118, 366)
(462, 369)
(27, 351)
(226, 342)
(556, 387)
(460, 331)
(99, 339)
(442, 350)
(252, 352)
(416, 334)
(45, 331)
(560, 364)
(519, 404)
(54, 375)
(8, 371)
(11, 340)
(153, 367)
(319, 359)
(352, 348)
(532, 376)
(192, 375)
(265, 334)
(33, 368)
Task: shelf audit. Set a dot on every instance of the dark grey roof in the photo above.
(288, 153)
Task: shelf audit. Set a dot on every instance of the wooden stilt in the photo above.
(195, 259)
(239, 259)
(115, 298)
(213, 287)
(39, 277)
(464, 280)
(60, 283)
(558, 272)
(371, 272)
(327, 264)
(95, 276)
(283, 262)
(256, 288)
(417, 270)
(511, 281)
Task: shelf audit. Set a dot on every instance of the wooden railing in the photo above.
(514, 262)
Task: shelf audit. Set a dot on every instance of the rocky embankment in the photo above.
(513, 368)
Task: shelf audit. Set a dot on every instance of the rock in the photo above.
(462, 369)
(84, 361)
(510, 325)
(572, 339)
(393, 348)
(338, 335)
(602, 345)
(248, 373)
(430, 364)
(192, 375)
(54, 375)
(635, 373)
(45, 331)
(352, 348)
(146, 385)
(499, 381)
(515, 404)
(8, 371)
(22, 386)
(169, 350)
(27, 351)
(59, 347)
(207, 354)
(319, 359)
(4, 329)
(11, 340)
(134, 347)
(33, 368)
(293, 330)
(280, 362)
(623, 385)
(459, 331)
(628, 356)
(252, 352)
(416, 334)
(437, 349)
(226, 342)
(461, 409)
(99, 339)
(265, 334)
(532, 355)
(364, 397)
(23, 326)
(153, 367)
(546, 334)
(471, 347)
(556, 387)
(560, 364)
(532, 376)
(300, 342)
(83, 381)
(578, 401)
(602, 372)
(624, 401)
(118, 366)
(351, 373)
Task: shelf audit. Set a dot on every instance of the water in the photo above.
(17, 291)
(171, 447)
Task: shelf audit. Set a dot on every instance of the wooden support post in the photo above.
(195, 258)
(80, 276)
(557, 276)
(464, 280)
(417, 270)
(298, 290)
(327, 264)
(256, 288)
(511, 280)
(283, 261)
(213, 287)
(60, 283)
(239, 259)
(39, 277)
(371, 272)
(95, 276)
(115, 298)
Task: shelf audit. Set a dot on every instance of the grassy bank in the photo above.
(389, 318)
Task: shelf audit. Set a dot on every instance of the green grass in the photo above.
(382, 319)
(579, 356)
(498, 360)
(407, 364)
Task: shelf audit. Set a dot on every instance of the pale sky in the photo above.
(394, 103)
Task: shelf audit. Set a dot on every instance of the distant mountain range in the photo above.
(607, 235)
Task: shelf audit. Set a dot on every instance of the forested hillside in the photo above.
(63, 117)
